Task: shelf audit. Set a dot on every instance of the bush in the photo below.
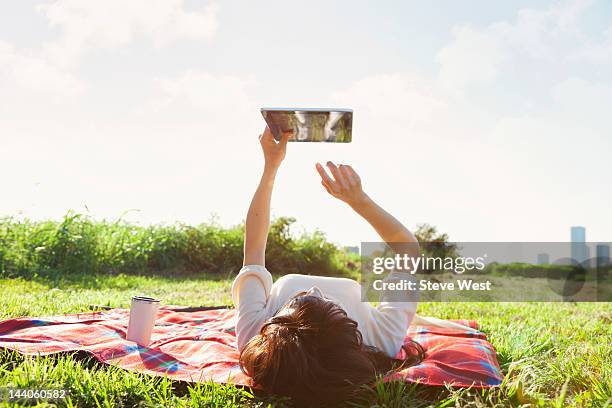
(79, 244)
(533, 271)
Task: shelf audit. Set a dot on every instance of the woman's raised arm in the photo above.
(346, 186)
(258, 217)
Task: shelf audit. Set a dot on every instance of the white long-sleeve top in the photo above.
(258, 299)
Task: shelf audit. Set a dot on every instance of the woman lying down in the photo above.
(311, 337)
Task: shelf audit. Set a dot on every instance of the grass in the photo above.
(553, 354)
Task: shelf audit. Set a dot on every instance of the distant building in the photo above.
(543, 259)
(603, 255)
(580, 252)
(578, 234)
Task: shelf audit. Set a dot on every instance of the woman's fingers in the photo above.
(326, 188)
(324, 176)
(344, 177)
(337, 175)
(285, 138)
(267, 135)
(325, 179)
(354, 175)
(268, 138)
(345, 184)
(350, 180)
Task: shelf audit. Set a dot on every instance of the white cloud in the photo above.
(408, 99)
(471, 56)
(546, 34)
(113, 23)
(583, 101)
(206, 92)
(413, 106)
(537, 39)
(25, 75)
(597, 52)
(31, 79)
(200, 105)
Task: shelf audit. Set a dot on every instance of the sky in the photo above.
(489, 120)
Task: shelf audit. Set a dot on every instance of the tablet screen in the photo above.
(311, 125)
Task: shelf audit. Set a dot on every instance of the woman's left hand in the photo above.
(345, 184)
(274, 152)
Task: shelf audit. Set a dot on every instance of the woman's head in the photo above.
(311, 350)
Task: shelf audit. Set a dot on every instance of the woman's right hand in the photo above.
(274, 152)
(345, 184)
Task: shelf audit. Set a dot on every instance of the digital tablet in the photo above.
(310, 124)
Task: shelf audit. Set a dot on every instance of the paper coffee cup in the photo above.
(142, 319)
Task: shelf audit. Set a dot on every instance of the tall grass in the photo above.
(79, 244)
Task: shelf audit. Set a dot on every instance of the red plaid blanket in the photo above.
(201, 346)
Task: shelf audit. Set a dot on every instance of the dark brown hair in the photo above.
(315, 353)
